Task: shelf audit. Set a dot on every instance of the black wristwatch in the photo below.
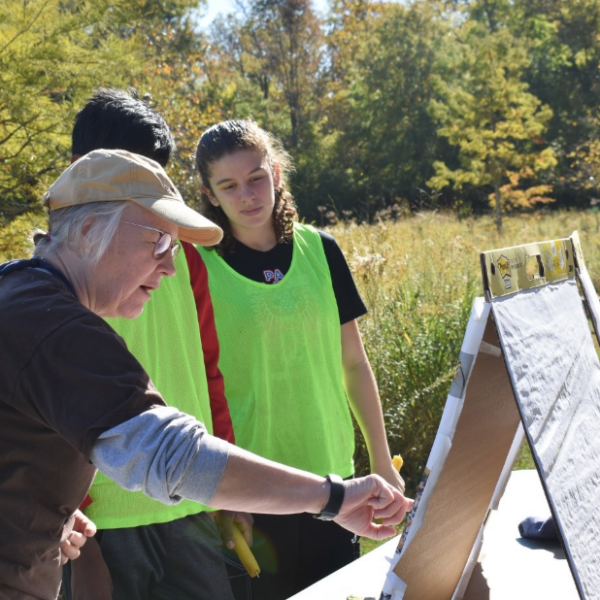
(336, 498)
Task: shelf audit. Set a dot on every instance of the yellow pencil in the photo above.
(244, 553)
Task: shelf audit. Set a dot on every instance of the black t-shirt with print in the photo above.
(271, 267)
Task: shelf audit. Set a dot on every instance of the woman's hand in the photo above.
(369, 498)
(77, 531)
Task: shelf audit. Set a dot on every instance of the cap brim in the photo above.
(193, 227)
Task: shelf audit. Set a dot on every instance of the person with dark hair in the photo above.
(74, 399)
(286, 310)
(175, 341)
(118, 120)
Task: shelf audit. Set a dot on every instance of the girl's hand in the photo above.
(387, 470)
(225, 519)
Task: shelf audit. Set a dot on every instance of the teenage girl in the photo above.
(291, 353)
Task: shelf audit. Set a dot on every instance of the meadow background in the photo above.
(418, 276)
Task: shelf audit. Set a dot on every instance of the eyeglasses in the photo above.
(163, 244)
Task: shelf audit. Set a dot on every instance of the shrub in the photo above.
(15, 237)
(413, 345)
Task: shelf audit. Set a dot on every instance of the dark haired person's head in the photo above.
(116, 119)
(228, 137)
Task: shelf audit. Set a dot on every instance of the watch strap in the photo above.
(336, 499)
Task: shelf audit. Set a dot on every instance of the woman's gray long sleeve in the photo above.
(165, 453)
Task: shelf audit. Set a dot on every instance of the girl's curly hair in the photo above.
(228, 137)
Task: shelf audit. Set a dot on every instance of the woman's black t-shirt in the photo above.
(271, 267)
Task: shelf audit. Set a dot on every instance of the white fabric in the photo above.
(555, 373)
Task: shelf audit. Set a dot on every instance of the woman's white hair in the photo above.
(66, 230)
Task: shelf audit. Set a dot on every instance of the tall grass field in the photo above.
(418, 277)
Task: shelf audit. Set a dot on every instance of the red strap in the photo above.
(222, 426)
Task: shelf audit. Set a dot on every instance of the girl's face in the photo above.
(243, 185)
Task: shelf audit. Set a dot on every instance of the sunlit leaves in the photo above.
(493, 119)
(275, 47)
(52, 54)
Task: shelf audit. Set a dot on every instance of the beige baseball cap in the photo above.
(117, 175)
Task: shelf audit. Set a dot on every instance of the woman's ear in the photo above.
(85, 242)
(86, 226)
(209, 195)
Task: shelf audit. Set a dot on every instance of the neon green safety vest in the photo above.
(165, 339)
(281, 358)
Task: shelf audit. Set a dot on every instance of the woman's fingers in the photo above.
(70, 548)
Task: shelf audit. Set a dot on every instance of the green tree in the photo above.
(381, 137)
(53, 54)
(486, 111)
(584, 167)
(276, 46)
(47, 61)
(562, 40)
(175, 76)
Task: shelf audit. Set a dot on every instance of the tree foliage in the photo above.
(174, 74)
(381, 89)
(47, 59)
(53, 54)
(276, 46)
(490, 115)
(374, 100)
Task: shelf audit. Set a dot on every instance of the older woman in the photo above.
(73, 399)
